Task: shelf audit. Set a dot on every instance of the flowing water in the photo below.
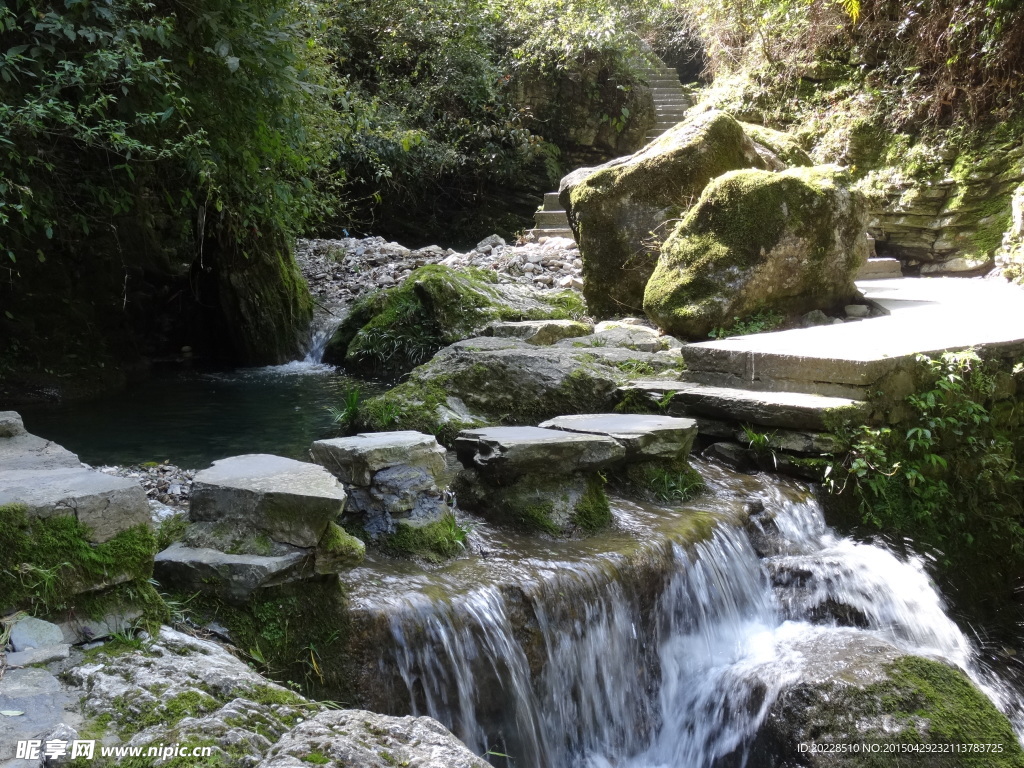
(642, 651)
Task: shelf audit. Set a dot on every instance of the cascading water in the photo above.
(323, 327)
(599, 663)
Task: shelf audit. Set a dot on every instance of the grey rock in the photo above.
(82, 629)
(814, 318)
(408, 491)
(370, 740)
(30, 632)
(540, 332)
(857, 310)
(45, 704)
(636, 337)
(618, 210)
(39, 655)
(291, 501)
(355, 460)
(105, 504)
(242, 730)
(512, 452)
(510, 381)
(807, 258)
(233, 578)
(11, 424)
(643, 437)
(62, 732)
(796, 441)
(731, 455)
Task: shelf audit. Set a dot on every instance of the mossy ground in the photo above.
(47, 564)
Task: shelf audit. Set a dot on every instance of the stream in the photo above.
(632, 649)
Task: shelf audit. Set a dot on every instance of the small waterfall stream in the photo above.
(670, 659)
(323, 327)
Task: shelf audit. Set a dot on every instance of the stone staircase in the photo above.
(670, 105)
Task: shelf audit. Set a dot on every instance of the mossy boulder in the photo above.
(489, 380)
(885, 707)
(785, 242)
(399, 328)
(618, 211)
(777, 145)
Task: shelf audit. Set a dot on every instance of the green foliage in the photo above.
(951, 477)
(346, 415)
(434, 542)
(170, 530)
(47, 562)
(760, 322)
(592, 511)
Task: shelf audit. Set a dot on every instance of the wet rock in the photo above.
(105, 505)
(789, 242)
(181, 689)
(731, 455)
(291, 501)
(30, 632)
(232, 578)
(369, 740)
(392, 477)
(644, 437)
(856, 689)
(508, 453)
(618, 208)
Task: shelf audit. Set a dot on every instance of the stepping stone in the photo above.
(106, 504)
(30, 632)
(39, 655)
(510, 452)
(392, 476)
(791, 410)
(540, 332)
(231, 577)
(291, 501)
(355, 460)
(643, 437)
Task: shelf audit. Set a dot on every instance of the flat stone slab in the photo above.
(30, 632)
(355, 460)
(509, 452)
(39, 655)
(291, 501)
(540, 332)
(643, 437)
(790, 410)
(232, 577)
(20, 450)
(106, 504)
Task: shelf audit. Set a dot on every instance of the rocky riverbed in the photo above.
(340, 271)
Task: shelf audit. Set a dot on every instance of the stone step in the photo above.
(880, 269)
(789, 410)
(551, 202)
(644, 437)
(551, 219)
(768, 384)
(539, 233)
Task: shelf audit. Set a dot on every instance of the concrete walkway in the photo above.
(817, 369)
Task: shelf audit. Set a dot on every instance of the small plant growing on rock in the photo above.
(761, 322)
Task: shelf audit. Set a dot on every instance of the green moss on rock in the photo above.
(786, 242)
(780, 143)
(592, 512)
(48, 562)
(338, 550)
(619, 211)
(399, 328)
(434, 542)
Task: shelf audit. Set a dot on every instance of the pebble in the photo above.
(164, 484)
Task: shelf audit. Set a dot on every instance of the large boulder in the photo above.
(864, 703)
(490, 380)
(788, 242)
(397, 329)
(618, 211)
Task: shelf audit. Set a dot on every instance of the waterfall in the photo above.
(592, 664)
(321, 330)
